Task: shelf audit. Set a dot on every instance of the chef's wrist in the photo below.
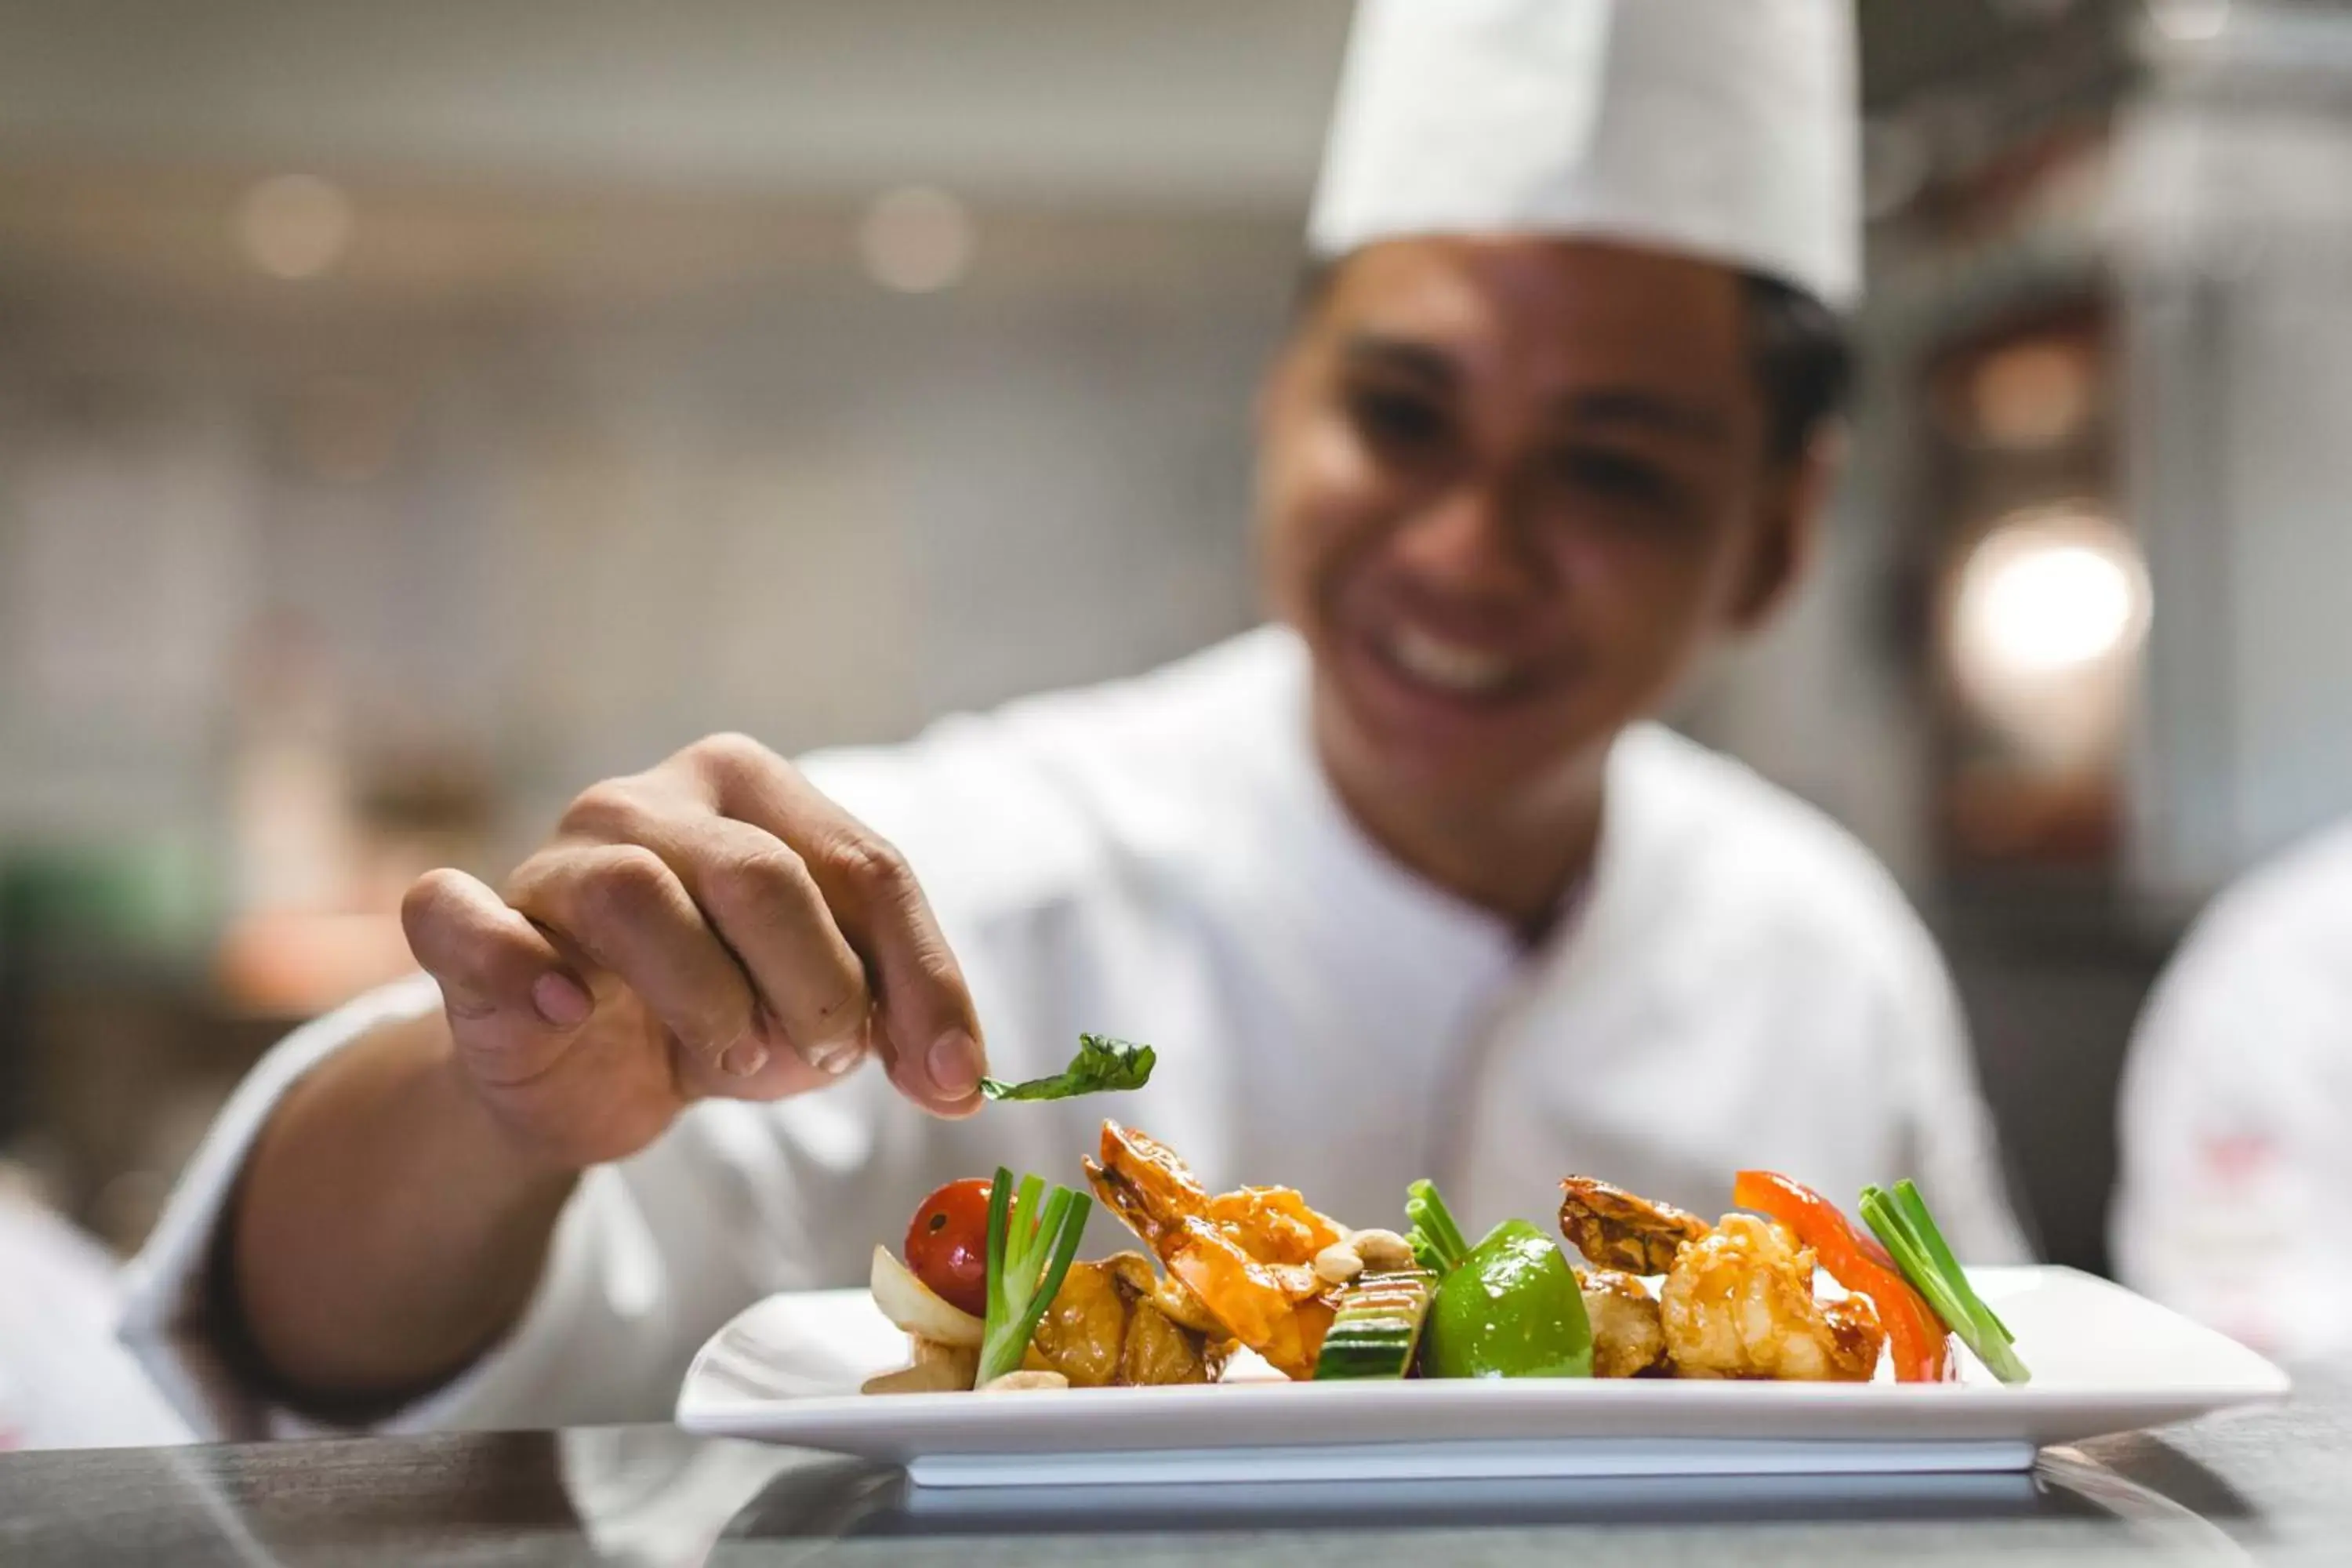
(381, 1157)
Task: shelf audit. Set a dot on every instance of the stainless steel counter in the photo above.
(2265, 1487)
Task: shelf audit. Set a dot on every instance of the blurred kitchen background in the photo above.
(411, 413)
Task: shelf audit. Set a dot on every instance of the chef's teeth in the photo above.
(1447, 665)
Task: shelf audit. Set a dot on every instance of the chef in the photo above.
(2236, 1132)
(1404, 884)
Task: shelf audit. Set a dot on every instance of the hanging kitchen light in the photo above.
(2046, 619)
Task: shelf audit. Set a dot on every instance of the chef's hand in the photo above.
(712, 928)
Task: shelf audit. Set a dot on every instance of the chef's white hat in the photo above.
(1724, 128)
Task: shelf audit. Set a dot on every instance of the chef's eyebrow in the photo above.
(1405, 356)
(1631, 408)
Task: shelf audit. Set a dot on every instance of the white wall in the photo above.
(791, 503)
(1210, 102)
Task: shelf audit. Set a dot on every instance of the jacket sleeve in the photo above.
(653, 1254)
(650, 1257)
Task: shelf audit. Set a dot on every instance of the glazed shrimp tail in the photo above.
(1617, 1230)
(1247, 1254)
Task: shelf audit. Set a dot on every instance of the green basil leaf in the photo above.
(1102, 1066)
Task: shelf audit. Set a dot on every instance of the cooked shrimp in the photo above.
(1627, 1339)
(1739, 1302)
(1118, 1322)
(1287, 1231)
(1160, 1350)
(1248, 1255)
(1084, 1329)
(1615, 1229)
(1141, 1280)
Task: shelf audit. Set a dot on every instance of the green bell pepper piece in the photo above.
(1512, 1309)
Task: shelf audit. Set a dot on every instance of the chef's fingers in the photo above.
(929, 1035)
(758, 895)
(512, 1000)
(624, 908)
(929, 1032)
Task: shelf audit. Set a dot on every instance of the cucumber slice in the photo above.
(1377, 1327)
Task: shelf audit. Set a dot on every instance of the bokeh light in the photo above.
(2046, 622)
(916, 239)
(2051, 607)
(2189, 21)
(2033, 394)
(295, 226)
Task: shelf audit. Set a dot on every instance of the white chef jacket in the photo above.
(1163, 859)
(64, 1381)
(2236, 1113)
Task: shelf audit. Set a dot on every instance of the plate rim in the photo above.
(844, 1422)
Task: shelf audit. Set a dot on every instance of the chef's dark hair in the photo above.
(1804, 361)
(1803, 356)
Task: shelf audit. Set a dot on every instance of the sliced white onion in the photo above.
(916, 1308)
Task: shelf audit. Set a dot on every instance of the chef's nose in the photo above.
(1469, 540)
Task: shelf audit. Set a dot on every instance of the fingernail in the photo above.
(841, 1058)
(559, 1000)
(954, 1063)
(743, 1059)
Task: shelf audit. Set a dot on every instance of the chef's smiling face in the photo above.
(1509, 490)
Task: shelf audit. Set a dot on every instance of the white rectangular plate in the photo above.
(2104, 1360)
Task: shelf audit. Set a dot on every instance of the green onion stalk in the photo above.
(1032, 1238)
(1900, 1220)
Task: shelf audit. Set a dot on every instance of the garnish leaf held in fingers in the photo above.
(1102, 1065)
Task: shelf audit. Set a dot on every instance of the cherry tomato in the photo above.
(947, 1245)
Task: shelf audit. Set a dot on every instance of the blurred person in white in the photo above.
(1407, 884)
(2237, 1113)
(65, 1380)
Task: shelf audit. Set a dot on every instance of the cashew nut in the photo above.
(1382, 1250)
(924, 1377)
(1023, 1381)
(1337, 1263)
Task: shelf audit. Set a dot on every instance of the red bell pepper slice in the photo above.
(1916, 1336)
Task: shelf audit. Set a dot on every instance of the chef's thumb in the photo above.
(501, 979)
(929, 1032)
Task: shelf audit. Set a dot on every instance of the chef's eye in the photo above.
(1615, 477)
(1395, 420)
